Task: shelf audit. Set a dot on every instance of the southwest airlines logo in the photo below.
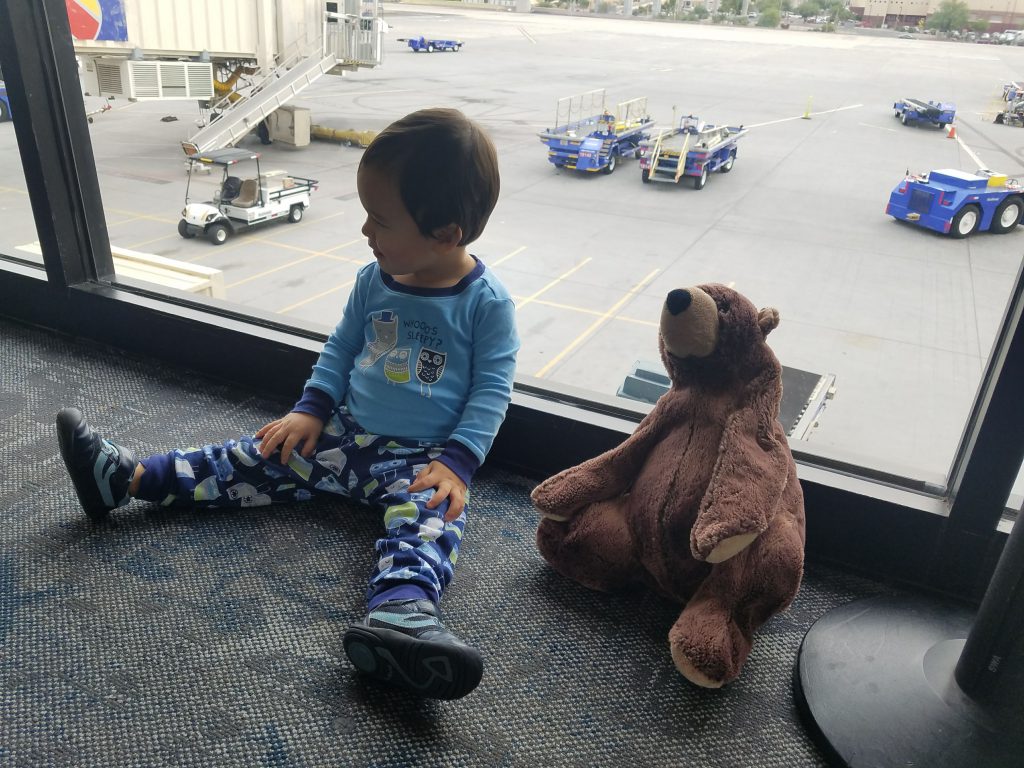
(97, 19)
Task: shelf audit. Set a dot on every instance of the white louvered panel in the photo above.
(172, 80)
(145, 79)
(200, 81)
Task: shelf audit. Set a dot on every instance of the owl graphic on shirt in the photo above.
(429, 368)
(396, 365)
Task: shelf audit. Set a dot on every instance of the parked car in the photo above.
(5, 103)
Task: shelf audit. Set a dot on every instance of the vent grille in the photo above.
(173, 83)
(145, 79)
(109, 78)
(200, 81)
(170, 80)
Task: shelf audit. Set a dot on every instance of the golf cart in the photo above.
(246, 196)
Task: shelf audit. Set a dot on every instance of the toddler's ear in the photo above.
(450, 235)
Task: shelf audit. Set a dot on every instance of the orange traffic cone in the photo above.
(952, 132)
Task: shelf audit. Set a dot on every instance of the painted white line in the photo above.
(974, 157)
(801, 117)
(879, 127)
(527, 35)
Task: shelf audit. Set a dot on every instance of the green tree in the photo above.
(808, 8)
(951, 14)
(730, 6)
(769, 18)
(700, 11)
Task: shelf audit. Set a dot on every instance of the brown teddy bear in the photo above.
(701, 503)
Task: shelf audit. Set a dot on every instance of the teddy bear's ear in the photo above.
(768, 320)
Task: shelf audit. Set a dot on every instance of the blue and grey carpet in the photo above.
(178, 638)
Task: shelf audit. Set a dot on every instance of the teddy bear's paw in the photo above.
(553, 498)
(730, 547)
(690, 671)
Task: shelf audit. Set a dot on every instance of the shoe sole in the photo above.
(65, 436)
(426, 668)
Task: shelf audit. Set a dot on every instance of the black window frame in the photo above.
(940, 539)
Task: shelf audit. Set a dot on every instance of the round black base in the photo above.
(874, 682)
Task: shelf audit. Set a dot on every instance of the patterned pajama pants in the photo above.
(418, 549)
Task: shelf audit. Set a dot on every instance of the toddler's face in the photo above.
(393, 236)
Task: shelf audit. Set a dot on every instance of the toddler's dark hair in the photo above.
(445, 167)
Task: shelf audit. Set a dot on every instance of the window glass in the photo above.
(886, 325)
(18, 237)
(1015, 502)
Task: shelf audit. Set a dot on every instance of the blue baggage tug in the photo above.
(588, 137)
(430, 45)
(958, 203)
(693, 149)
(916, 111)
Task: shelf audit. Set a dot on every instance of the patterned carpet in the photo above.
(214, 639)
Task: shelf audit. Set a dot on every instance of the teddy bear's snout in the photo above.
(678, 300)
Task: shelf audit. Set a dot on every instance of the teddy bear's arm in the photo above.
(746, 485)
(610, 474)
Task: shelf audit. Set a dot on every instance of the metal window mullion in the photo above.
(41, 73)
(992, 449)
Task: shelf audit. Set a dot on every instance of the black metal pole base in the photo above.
(874, 682)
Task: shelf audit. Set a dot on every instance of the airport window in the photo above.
(18, 238)
(887, 329)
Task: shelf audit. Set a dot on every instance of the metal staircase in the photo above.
(347, 42)
(234, 119)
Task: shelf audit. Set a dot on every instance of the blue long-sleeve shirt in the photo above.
(432, 364)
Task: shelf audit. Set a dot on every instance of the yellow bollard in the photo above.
(807, 112)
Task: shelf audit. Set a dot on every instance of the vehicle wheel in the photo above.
(217, 233)
(903, 119)
(611, 162)
(458, 48)
(728, 164)
(430, 49)
(4, 114)
(965, 222)
(183, 230)
(645, 176)
(700, 181)
(942, 126)
(1000, 119)
(897, 113)
(1007, 215)
(295, 214)
(637, 153)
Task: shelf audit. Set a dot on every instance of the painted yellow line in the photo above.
(328, 292)
(136, 215)
(505, 258)
(216, 250)
(585, 311)
(595, 325)
(133, 246)
(257, 276)
(553, 283)
(327, 253)
(247, 238)
(13, 189)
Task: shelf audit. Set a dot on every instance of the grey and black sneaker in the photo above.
(405, 644)
(101, 470)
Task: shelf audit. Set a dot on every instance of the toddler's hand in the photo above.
(288, 432)
(446, 485)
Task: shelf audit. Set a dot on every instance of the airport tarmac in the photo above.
(903, 318)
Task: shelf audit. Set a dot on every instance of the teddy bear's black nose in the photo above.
(678, 301)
